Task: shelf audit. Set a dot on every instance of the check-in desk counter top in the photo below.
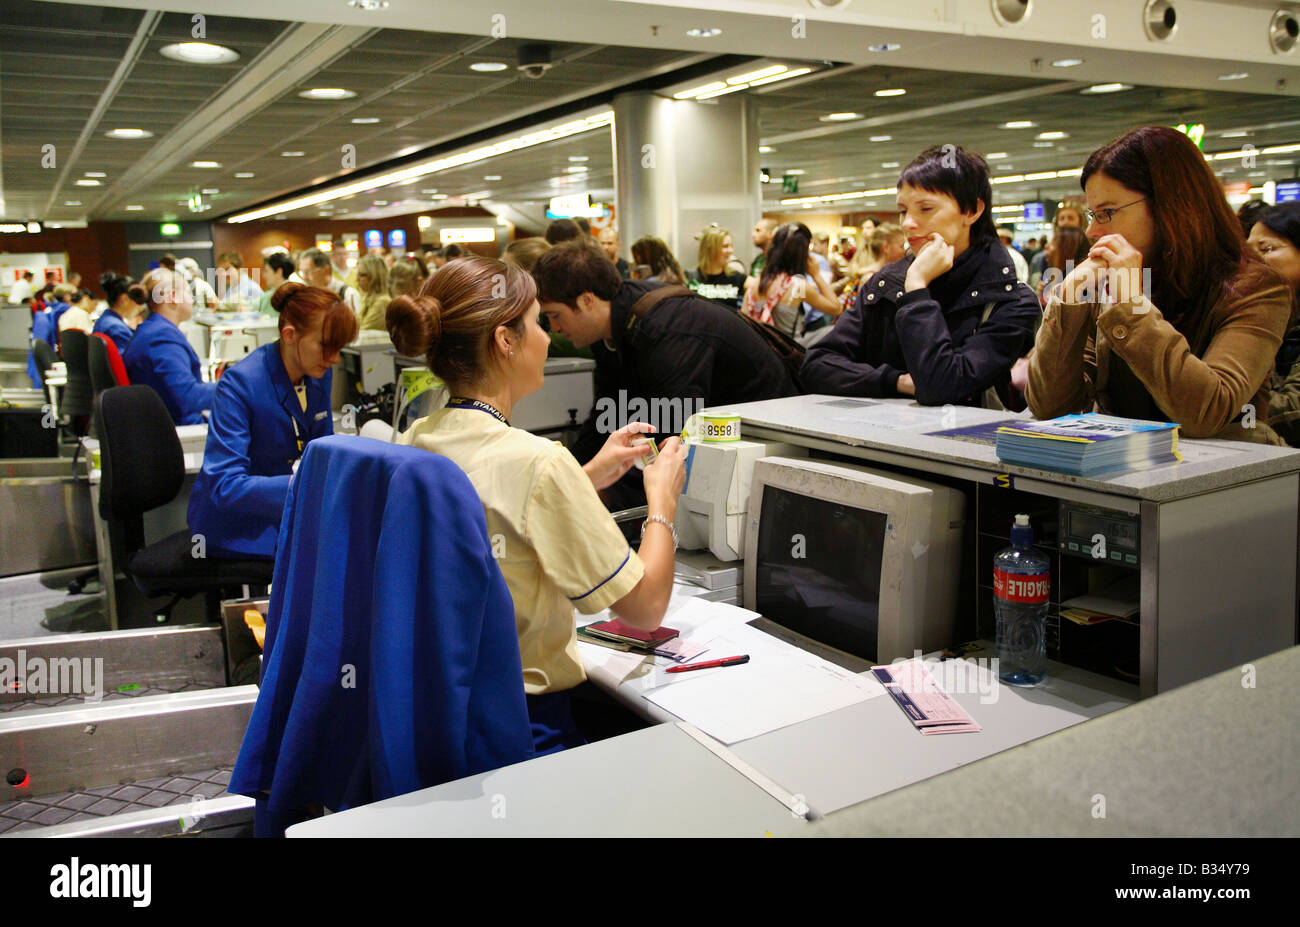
(1214, 536)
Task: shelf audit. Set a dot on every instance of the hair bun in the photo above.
(106, 279)
(284, 292)
(414, 324)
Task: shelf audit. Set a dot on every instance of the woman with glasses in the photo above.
(1171, 317)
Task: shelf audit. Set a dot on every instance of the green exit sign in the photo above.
(1195, 132)
(169, 228)
(790, 184)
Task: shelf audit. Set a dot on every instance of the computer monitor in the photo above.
(864, 561)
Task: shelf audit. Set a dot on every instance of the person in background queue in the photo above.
(126, 302)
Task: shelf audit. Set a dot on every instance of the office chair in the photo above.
(106, 371)
(45, 359)
(78, 395)
(143, 468)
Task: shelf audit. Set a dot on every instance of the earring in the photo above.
(512, 353)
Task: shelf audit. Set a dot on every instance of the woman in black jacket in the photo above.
(945, 323)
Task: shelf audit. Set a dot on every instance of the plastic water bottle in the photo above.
(1021, 585)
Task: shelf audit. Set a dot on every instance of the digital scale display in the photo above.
(1085, 527)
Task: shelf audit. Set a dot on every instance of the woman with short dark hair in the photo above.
(945, 324)
(1172, 317)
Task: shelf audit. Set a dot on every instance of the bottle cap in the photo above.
(1022, 533)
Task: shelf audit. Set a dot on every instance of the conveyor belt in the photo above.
(53, 701)
(68, 807)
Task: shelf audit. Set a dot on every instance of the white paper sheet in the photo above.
(779, 686)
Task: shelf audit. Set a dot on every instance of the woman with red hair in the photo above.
(266, 410)
(1172, 317)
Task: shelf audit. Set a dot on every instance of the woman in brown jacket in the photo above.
(1172, 317)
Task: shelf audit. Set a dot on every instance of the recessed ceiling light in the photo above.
(129, 133)
(327, 93)
(134, 207)
(206, 165)
(1006, 167)
(891, 92)
(368, 6)
(245, 174)
(796, 171)
(1043, 145)
(1238, 133)
(995, 155)
(209, 191)
(1106, 88)
(1236, 75)
(365, 120)
(72, 202)
(706, 33)
(440, 196)
(579, 158)
(840, 117)
(1019, 124)
(491, 176)
(381, 202)
(87, 183)
(576, 170)
(95, 174)
(1052, 135)
(430, 190)
(882, 138)
(884, 47)
(199, 53)
(766, 149)
(1067, 62)
(889, 164)
(291, 154)
(488, 66)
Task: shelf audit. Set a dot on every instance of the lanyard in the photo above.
(460, 402)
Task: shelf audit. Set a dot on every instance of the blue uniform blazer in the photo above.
(111, 324)
(253, 437)
(160, 357)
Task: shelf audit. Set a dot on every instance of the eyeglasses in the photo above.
(1104, 216)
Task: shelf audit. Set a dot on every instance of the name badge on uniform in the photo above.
(321, 415)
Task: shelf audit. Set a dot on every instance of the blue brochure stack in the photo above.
(1089, 444)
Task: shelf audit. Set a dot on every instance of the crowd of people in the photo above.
(1151, 300)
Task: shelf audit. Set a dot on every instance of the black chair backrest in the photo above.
(44, 354)
(101, 371)
(78, 395)
(142, 465)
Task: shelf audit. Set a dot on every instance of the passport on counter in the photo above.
(619, 633)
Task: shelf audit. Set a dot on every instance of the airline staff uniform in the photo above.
(556, 544)
(159, 356)
(259, 426)
(112, 324)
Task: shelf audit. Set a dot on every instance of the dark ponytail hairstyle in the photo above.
(115, 287)
(451, 322)
(788, 253)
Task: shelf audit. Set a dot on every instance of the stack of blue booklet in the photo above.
(1088, 444)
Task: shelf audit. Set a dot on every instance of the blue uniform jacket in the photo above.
(160, 357)
(391, 661)
(42, 329)
(111, 324)
(253, 436)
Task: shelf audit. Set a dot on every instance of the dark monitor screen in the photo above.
(818, 569)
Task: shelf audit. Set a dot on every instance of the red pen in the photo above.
(709, 664)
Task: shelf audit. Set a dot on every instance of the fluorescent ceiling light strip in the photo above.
(797, 72)
(756, 75)
(1041, 175)
(722, 92)
(416, 171)
(696, 91)
(1010, 178)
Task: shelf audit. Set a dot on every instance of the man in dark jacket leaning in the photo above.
(945, 324)
(684, 355)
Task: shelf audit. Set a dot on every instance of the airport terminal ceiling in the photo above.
(421, 79)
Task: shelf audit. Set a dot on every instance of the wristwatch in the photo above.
(663, 521)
